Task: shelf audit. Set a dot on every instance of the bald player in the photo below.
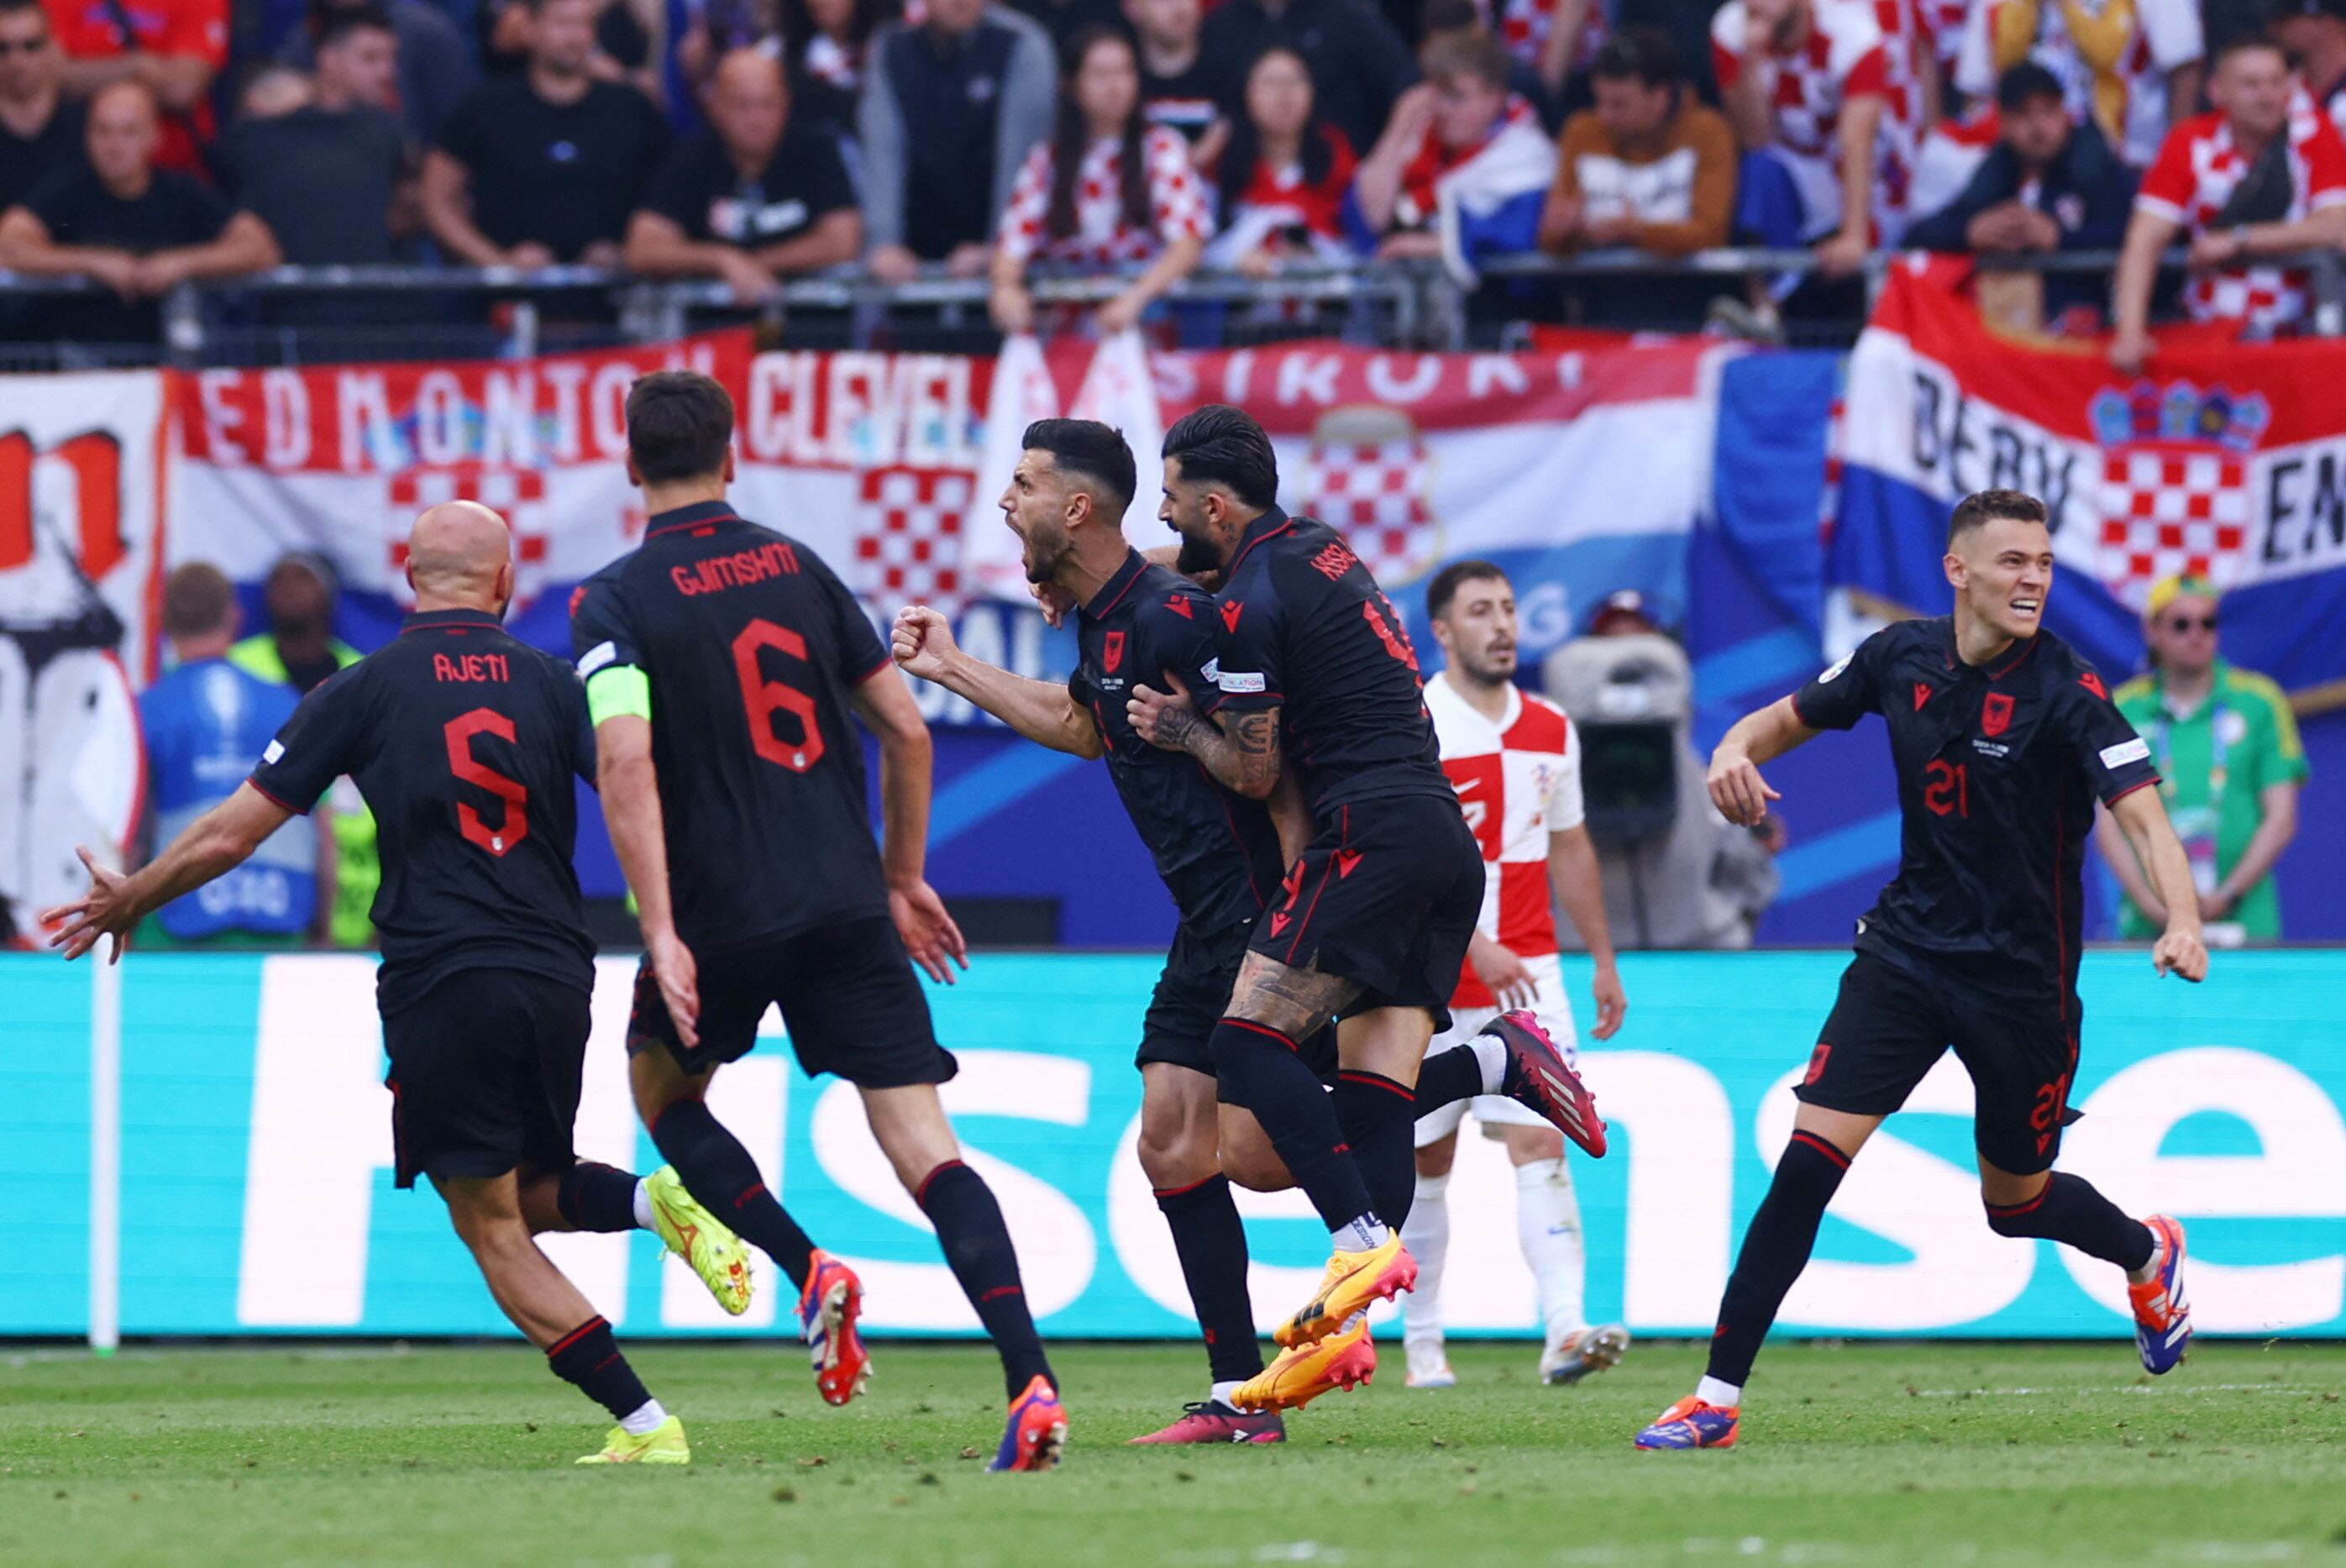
(464, 743)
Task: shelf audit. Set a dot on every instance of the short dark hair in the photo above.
(1987, 505)
(1447, 16)
(1453, 577)
(337, 23)
(1093, 450)
(1644, 54)
(680, 424)
(196, 597)
(2024, 83)
(1478, 54)
(1218, 444)
(2245, 39)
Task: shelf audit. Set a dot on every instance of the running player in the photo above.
(1312, 664)
(464, 743)
(1514, 760)
(2003, 737)
(722, 660)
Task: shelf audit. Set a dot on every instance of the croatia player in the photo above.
(1514, 760)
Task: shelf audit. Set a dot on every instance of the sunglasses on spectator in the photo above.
(2179, 623)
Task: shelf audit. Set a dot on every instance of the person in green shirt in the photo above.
(299, 650)
(2230, 764)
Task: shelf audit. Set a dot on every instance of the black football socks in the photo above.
(1267, 1076)
(1211, 1240)
(2073, 1212)
(599, 1198)
(1775, 1250)
(1379, 1117)
(978, 1248)
(719, 1172)
(588, 1358)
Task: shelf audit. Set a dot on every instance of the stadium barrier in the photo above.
(255, 1196)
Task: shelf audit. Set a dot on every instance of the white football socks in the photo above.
(1726, 1396)
(1223, 1394)
(1493, 1056)
(1547, 1228)
(643, 1205)
(1365, 1233)
(645, 1418)
(1427, 1233)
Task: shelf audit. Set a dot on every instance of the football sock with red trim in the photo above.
(2073, 1212)
(1775, 1250)
(1211, 1240)
(1379, 1116)
(719, 1172)
(588, 1358)
(978, 1248)
(597, 1198)
(1267, 1076)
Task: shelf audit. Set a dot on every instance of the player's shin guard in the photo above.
(596, 1198)
(978, 1248)
(1775, 1250)
(2071, 1211)
(1379, 1117)
(1269, 1079)
(588, 1358)
(719, 1172)
(1211, 1240)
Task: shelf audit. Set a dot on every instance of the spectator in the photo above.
(1463, 171)
(299, 650)
(952, 109)
(2314, 34)
(204, 726)
(1360, 66)
(430, 72)
(1446, 18)
(2048, 185)
(825, 45)
(1107, 189)
(40, 128)
(1552, 39)
(545, 166)
(1284, 176)
(1648, 165)
(138, 229)
(760, 195)
(1806, 83)
(324, 174)
(622, 51)
(2230, 767)
(1063, 19)
(2248, 179)
(1181, 87)
(2134, 65)
(173, 48)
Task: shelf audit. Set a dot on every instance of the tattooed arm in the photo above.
(1241, 750)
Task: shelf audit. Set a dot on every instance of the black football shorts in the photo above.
(1386, 896)
(848, 997)
(1894, 1020)
(484, 1072)
(1193, 995)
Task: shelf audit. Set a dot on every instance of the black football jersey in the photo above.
(465, 743)
(752, 646)
(1218, 852)
(1301, 626)
(1998, 765)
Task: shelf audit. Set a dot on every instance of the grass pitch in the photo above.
(1861, 1454)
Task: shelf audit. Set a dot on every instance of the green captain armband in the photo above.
(617, 691)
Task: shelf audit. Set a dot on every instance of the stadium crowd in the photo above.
(143, 146)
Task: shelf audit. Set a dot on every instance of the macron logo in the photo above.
(1231, 616)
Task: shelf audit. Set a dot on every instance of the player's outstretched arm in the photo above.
(1737, 788)
(884, 703)
(628, 780)
(2179, 949)
(1573, 872)
(217, 842)
(1239, 749)
(923, 643)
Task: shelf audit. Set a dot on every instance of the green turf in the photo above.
(1863, 1454)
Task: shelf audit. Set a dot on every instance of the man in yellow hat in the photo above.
(2230, 764)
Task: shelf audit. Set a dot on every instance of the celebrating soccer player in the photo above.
(1314, 671)
(464, 743)
(722, 660)
(2003, 737)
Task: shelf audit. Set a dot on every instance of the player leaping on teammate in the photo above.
(2003, 737)
(722, 661)
(465, 744)
(1314, 671)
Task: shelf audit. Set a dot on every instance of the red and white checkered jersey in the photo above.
(1942, 25)
(2167, 33)
(1176, 205)
(2195, 174)
(1843, 57)
(1518, 781)
(1524, 26)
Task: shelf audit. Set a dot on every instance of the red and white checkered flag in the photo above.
(2170, 511)
(1375, 493)
(908, 537)
(517, 494)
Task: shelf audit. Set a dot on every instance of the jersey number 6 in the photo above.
(760, 697)
(460, 732)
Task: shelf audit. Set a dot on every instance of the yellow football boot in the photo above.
(1342, 1360)
(720, 1258)
(1354, 1281)
(664, 1444)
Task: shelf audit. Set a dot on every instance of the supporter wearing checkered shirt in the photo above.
(1107, 189)
(2133, 65)
(1807, 83)
(2250, 180)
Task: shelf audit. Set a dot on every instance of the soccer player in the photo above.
(1514, 760)
(2003, 736)
(722, 660)
(1312, 664)
(464, 743)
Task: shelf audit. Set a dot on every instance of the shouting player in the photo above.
(1314, 671)
(1514, 760)
(465, 744)
(2003, 737)
(722, 660)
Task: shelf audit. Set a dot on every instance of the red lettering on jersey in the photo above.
(1995, 713)
(1334, 561)
(1180, 605)
(1112, 651)
(1346, 860)
(470, 666)
(2092, 683)
(1231, 616)
(1921, 693)
(737, 570)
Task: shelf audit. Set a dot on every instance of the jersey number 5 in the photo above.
(760, 697)
(460, 732)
